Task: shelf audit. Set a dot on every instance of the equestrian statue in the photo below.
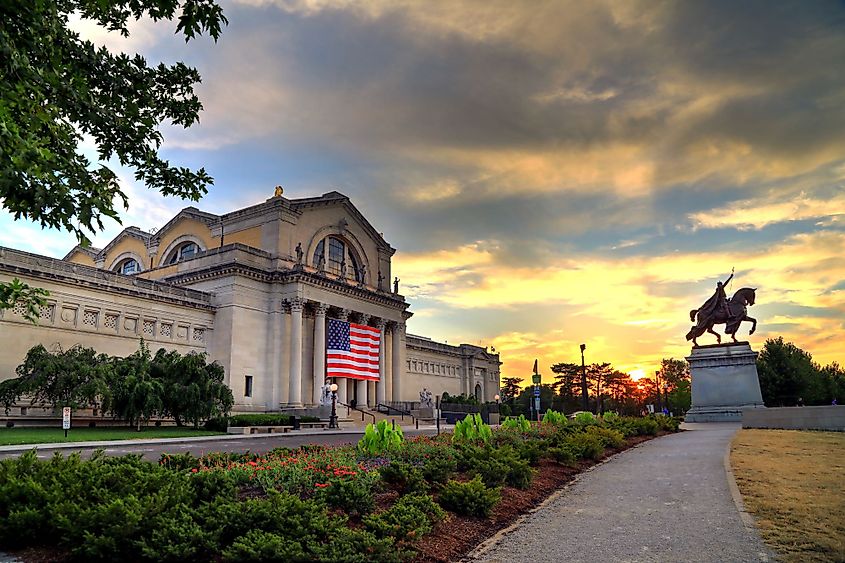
(721, 310)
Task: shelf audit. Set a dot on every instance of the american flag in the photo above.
(352, 351)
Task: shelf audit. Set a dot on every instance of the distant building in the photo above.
(253, 289)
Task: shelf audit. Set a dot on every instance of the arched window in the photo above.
(182, 252)
(128, 267)
(478, 391)
(336, 255)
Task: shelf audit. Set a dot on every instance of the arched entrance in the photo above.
(478, 391)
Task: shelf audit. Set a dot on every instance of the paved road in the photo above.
(199, 446)
(667, 500)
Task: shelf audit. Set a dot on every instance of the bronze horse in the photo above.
(738, 308)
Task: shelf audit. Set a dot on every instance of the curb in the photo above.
(745, 516)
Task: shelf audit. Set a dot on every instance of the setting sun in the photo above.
(636, 374)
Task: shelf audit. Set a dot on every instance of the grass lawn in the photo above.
(793, 482)
(16, 436)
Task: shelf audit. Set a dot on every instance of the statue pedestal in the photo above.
(724, 382)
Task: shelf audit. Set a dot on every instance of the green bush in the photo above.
(267, 420)
(563, 455)
(404, 476)
(354, 497)
(217, 424)
(469, 499)
(667, 423)
(410, 518)
(257, 545)
(609, 438)
(380, 438)
(609, 417)
(179, 462)
(584, 445)
(439, 470)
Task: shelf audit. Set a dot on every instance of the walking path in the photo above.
(668, 500)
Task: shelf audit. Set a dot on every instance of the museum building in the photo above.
(253, 288)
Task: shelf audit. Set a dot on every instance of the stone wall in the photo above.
(796, 418)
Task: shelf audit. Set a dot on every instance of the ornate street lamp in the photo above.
(585, 403)
(333, 417)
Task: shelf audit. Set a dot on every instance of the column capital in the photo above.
(381, 323)
(363, 319)
(320, 309)
(296, 304)
(398, 326)
(343, 314)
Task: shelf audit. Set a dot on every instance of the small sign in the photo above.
(535, 379)
(66, 418)
(537, 405)
(536, 391)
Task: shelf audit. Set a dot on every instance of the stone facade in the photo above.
(252, 288)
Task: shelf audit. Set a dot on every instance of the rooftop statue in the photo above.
(721, 310)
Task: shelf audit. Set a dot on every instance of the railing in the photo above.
(401, 412)
(350, 408)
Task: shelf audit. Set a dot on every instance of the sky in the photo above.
(550, 173)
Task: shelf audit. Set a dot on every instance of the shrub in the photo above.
(404, 476)
(472, 429)
(437, 471)
(266, 420)
(562, 455)
(410, 518)
(380, 439)
(355, 497)
(217, 424)
(584, 445)
(179, 462)
(609, 438)
(530, 452)
(667, 423)
(469, 499)
(257, 545)
(505, 410)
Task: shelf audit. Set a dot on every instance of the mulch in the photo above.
(456, 536)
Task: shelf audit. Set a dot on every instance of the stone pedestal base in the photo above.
(724, 382)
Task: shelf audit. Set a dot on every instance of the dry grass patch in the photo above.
(794, 484)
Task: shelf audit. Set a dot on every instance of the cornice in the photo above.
(19, 263)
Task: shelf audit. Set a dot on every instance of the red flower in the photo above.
(194, 470)
(321, 485)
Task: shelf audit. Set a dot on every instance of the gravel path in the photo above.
(667, 500)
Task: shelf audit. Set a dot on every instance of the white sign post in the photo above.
(66, 419)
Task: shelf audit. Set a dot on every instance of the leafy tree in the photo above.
(193, 390)
(55, 88)
(135, 395)
(568, 386)
(511, 387)
(74, 378)
(675, 378)
(784, 370)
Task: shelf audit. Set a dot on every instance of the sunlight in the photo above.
(636, 374)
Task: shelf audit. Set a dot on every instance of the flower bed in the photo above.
(369, 503)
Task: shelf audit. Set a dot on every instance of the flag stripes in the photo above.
(352, 350)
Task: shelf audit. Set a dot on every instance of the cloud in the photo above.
(759, 213)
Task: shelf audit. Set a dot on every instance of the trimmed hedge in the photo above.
(220, 424)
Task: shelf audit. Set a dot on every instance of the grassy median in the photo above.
(22, 436)
(793, 482)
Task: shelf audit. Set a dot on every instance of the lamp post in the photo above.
(666, 396)
(657, 385)
(333, 417)
(585, 406)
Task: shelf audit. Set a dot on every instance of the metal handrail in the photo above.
(402, 413)
(350, 408)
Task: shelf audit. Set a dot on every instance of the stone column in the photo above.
(398, 360)
(342, 382)
(277, 323)
(362, 383)
(319, 351)
(382, 375)
(295, 384)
